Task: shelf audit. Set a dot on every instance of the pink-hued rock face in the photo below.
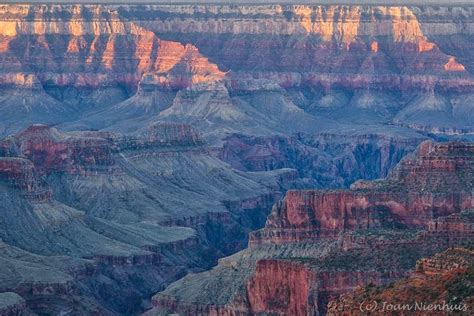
(436, 181)
(288, 287)
(113, 51)
(334, 45)
(281, 287)
(433, 282)
(51, 151)
(295, 96)
(320, 244)
(120, 49)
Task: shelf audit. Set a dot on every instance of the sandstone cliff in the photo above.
(435, 181)
(439, 281)
(147, 88)
(317, 245)
(96, 45)
(377, 64)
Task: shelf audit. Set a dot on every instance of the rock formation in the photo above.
(435, 287)
(320, 51)
(143, 142)
(112, 51)
(356, 63)
(154, 203)
(435, 181)
(368, 155)
(317, 245)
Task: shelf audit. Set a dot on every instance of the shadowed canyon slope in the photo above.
(122, 214)
(88, 213)
(141, 143)
(317, 245)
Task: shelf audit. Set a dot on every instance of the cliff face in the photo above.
(146, 88)
(438, 280)
(435, 181)
(350, 39)
(400, 61)
(93, 46)
(433, 167)
(289, 288)
(318, 245)
(367, 40)
(403, 65)
(453, 226)
(51, 151)
(85, 152)
(325, 160)
(278, 287)
(346, 28)
(148, 202)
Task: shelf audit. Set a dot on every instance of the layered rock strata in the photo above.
(325, 160)
(436, 287)
(97, 47)
(318, 245)
(142, 200)
(354, 63)
(435, 181)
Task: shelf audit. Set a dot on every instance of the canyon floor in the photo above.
(235, 159)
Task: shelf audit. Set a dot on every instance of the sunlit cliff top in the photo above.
(256, 2)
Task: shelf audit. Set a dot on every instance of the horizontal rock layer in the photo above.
(435, 181)
(153, 204)
(362, 40)
(200, 64)
(318, 245)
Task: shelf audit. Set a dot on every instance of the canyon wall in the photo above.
(347, 34)
(408, 66)
(324, 160)
(434, 181)
(370, 36)
(176, 127)
(320, 244)
(97, 48)
(436, 281)
(154, 205)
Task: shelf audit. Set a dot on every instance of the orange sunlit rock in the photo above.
(453, 65)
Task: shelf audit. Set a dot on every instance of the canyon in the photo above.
(108, 208)
(155, 204)
(226, 69)
(319, 244)
(143, 147)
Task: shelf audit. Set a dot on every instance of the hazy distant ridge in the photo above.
(365, 2)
